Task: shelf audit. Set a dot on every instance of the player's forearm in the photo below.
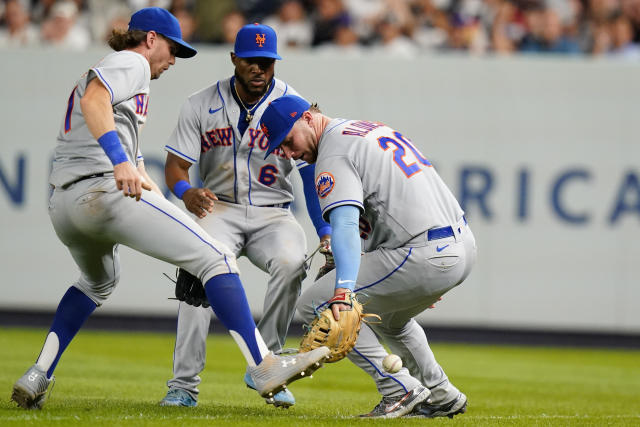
(175, 170)
(307, 174)
(345, 244)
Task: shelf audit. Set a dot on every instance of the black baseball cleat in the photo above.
(449, 409)
(394, 407)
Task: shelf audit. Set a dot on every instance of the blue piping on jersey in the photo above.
(377, 281)
(380, 372)
(192, 231)
(336, 125)
(184, 156)
(264, 98)
(249, 170)
(105, 82)
(235, 170)
(255, 107)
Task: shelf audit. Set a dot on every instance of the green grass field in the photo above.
(116, 378)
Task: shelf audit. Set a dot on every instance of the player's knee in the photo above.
(97, 292)
(287, 267)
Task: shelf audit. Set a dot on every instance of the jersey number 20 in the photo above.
(399, 153)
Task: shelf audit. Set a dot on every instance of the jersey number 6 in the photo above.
(268, 175)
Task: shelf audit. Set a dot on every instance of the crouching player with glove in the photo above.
(381, 195)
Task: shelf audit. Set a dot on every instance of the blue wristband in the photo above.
(180, 188)
(110, 143)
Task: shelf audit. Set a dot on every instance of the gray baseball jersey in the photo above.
(416, 241)
(126, 76)
(92, 217)
(379, 170)
(232, 165)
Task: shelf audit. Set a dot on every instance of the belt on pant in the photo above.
(442, 232)
(284, 205)
(82, 178)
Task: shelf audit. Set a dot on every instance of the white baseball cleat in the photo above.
(276, 371)
(30, 391)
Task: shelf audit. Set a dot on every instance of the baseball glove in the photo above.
(329, 263)
(190, 289)
(340, 336)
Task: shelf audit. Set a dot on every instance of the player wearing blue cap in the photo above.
(381, 194)
(218, 129)
(97, 160)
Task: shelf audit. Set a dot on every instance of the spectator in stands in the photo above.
(187, 24)
(622, 45)
(432, 25)
(508, 28)
(41, 10)
(631, 9)
(615, 38)
(231, 24)
(61, 29)
(328, 16)
(290, 22)
(550, 38)
(19, 31)
(391, 40)
(466, 33)
(210, 19)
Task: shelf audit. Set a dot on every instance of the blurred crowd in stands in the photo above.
(397, 27)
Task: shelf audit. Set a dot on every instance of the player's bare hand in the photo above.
(199, 201)
(129, 180)
(336, 308)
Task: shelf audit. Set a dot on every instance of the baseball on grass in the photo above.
(392, 363)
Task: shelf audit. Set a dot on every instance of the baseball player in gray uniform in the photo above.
(218, 129)
(97, 160)
(381, 194)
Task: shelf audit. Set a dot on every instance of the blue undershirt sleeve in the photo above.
(345, 244)
(307, 174)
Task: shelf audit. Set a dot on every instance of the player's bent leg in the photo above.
(280, 300)
(189, 355)
(278, 247)
(29, 391)
(411, 344)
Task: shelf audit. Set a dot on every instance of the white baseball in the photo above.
(392, 363)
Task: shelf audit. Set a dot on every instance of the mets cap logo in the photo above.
(324, 184)
(260, 39)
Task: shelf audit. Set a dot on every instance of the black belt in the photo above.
(442, 232)
(82, 178)
(284, 205)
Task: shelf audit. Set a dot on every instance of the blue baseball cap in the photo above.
(279, 117)
(162, 22)
(256, 40)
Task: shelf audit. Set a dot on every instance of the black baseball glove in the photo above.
(190, 289)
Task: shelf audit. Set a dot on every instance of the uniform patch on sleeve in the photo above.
(324, 184)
